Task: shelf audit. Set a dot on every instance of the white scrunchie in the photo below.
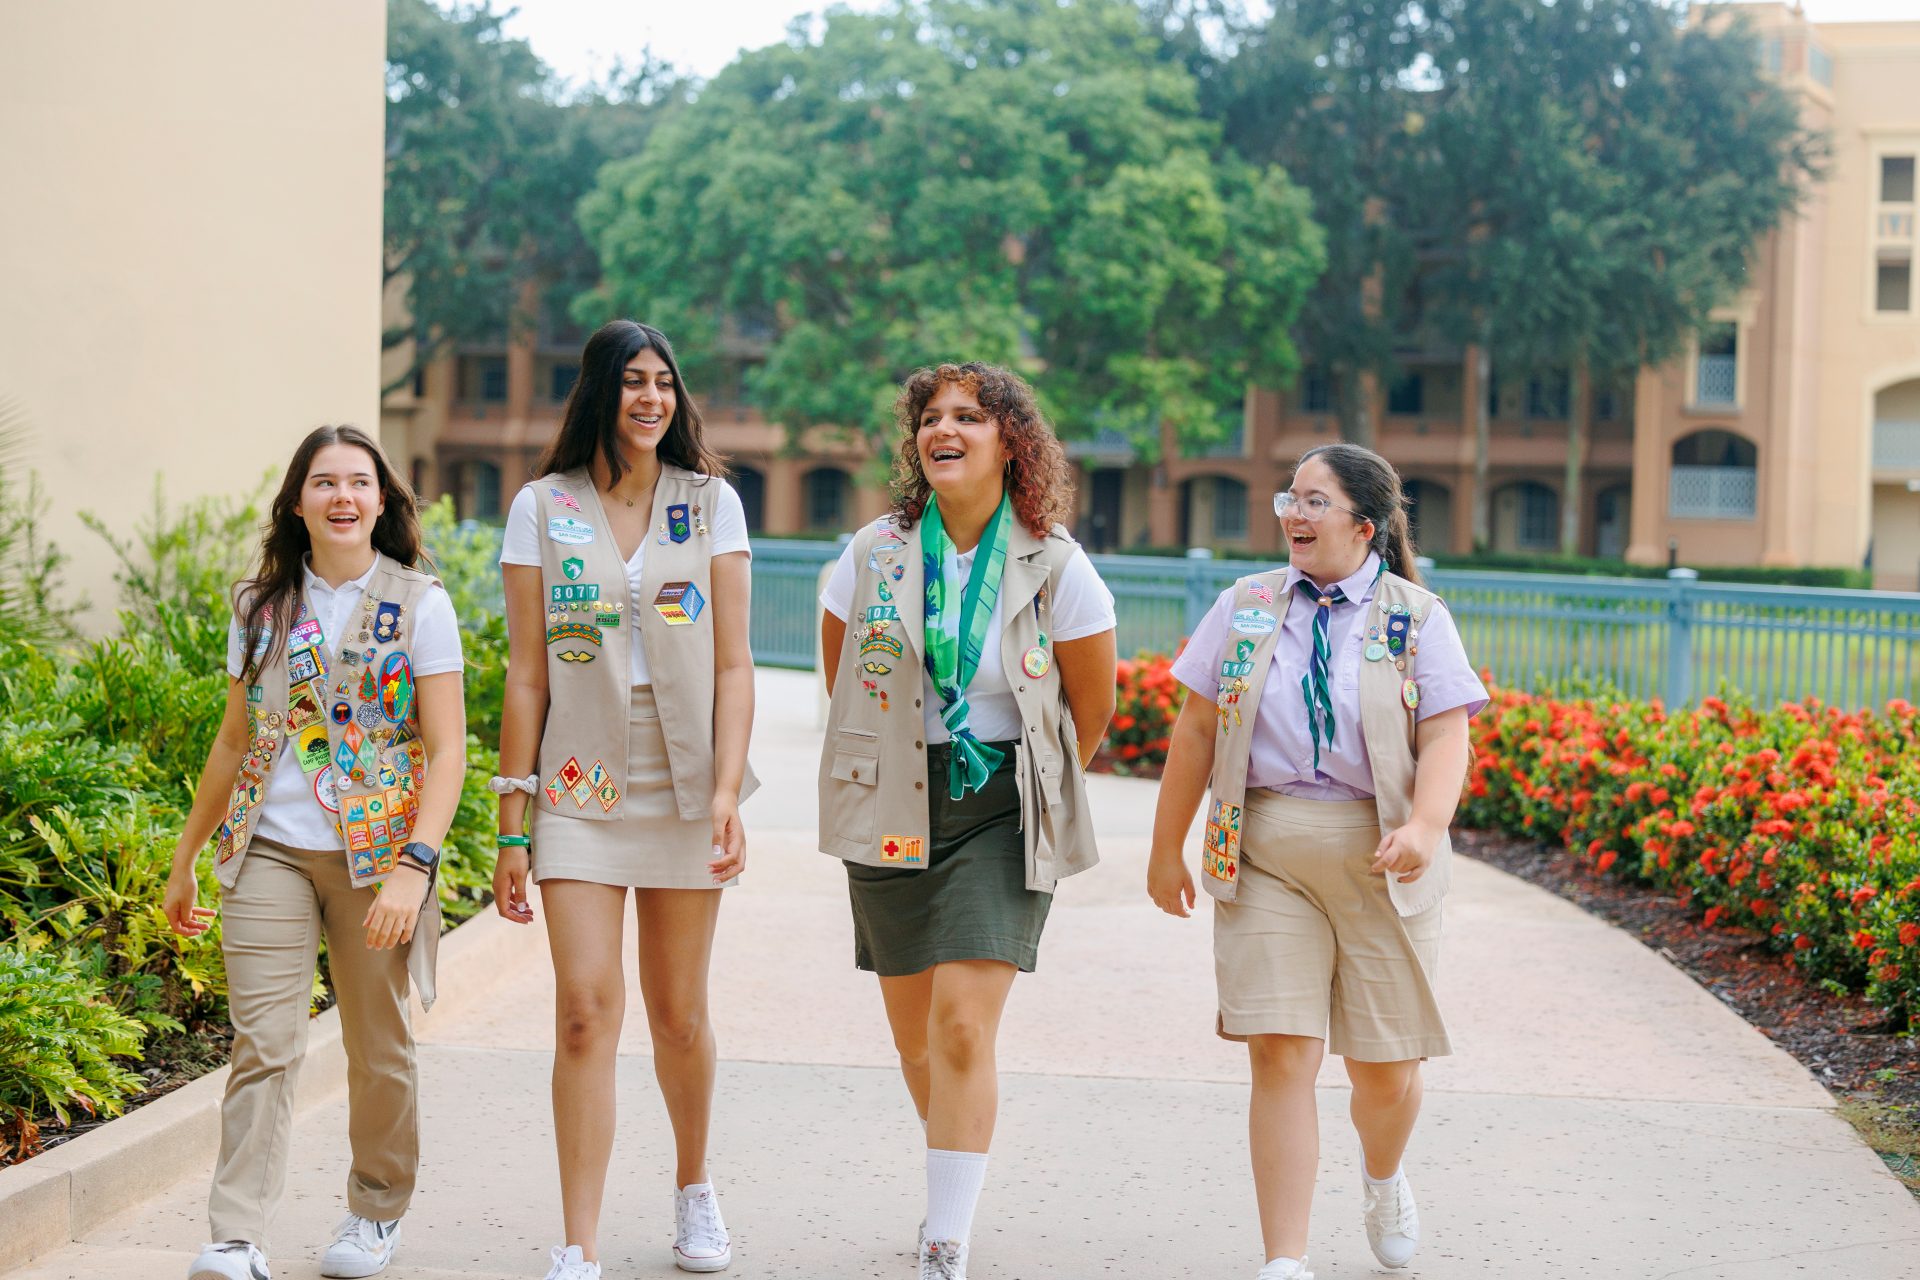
(501, 786)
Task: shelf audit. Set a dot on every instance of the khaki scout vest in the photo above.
(583, 750)
(357, 704)
(1388, 700)
(873, 764)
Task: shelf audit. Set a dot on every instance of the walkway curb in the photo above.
(54, 1199)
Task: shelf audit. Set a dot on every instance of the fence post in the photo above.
(1200, 592)
(1680, 607)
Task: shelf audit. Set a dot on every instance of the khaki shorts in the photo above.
(1311, 945)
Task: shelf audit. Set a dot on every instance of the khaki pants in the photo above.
(273, 918)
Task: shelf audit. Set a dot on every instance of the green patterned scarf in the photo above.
(956, 637)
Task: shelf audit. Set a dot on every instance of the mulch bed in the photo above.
(1849, 1046)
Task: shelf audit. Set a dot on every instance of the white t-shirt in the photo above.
(1082, 607)
(290, 813)
(728, 533)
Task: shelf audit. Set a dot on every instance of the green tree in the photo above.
(1602, 176)
(1020, 181)
(487, 154)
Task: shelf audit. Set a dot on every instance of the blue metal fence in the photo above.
(1676, 639)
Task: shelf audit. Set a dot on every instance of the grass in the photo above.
(1892, 1130)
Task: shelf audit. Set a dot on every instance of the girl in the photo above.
(330, 787)
(978, 619)
(1328, 704)
(628, 706)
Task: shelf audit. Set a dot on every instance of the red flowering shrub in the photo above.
(1802, 823)
(1146, 703)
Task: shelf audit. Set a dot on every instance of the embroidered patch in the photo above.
(303, 707)
(563, 782)
(679, 603)
(570, 531)
(1243, 651)
(312, 748)
(573, 567)
(396, 687)
(1254, 622)
(1260, 591)
(575, 655)
(304, 635)
(876, 668)
(902, 849)
(678, 526)
(368, 716)
(564, 499)
(882, 613)
(570, 593)
(573, 631)
(303, 666)
(1235, 671)
(1220, 857)
(256, 693)
(874, 642)
(342, 713)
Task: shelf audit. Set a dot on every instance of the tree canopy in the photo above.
(1022, 182)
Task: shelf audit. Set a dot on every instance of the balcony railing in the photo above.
(1894, 224)
(1712, 493)
(1896, 446)
(1715, 381)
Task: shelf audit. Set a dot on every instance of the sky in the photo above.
(581, 38)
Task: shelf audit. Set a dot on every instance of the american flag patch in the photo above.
(562, 498)
(1262, 592)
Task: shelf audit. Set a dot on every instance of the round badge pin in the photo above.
(1410, 694)
(1376, 651)
(342, 713)
(1036, 662)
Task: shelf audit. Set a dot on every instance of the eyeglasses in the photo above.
(1313, 507)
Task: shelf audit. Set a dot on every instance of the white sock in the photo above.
(1387, 1181)
(954, 1179)
(692, 1189)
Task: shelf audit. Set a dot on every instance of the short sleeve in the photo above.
(1446, 677)
(436, 635)
(234, 665)
(521, 544)
(729, 522)
(1197, 665)
(837, 597)
(1082, 605)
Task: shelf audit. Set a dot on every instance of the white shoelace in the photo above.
(566, 1269)
(700, 1225)
(1391, 1210)
(942, 1260)
(361, 1231)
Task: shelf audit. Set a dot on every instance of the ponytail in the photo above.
(1374, 488)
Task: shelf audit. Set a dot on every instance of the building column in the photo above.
(784, 514)
(1646, 539)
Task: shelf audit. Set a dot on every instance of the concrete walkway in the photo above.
(1603, 1115)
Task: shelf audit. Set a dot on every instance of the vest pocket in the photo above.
(856, 770)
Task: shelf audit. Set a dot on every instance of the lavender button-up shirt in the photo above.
(1282, 751)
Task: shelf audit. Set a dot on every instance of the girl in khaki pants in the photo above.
(1328, 704)
(329, 789)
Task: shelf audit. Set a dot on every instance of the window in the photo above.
(1606, 404)
(493, 378)
(1716, 377)
(1548, 395)
(564, 375)
(1535, 512)
(1406, 395)
(486, 492)
(1893, 285)
(1715, 477)
(826, 498)
(1316, 392)
(1229, 511)
(1896, 179)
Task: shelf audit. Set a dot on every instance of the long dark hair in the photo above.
(1039, 482)
(1373, 487)
(589, 423)
(265, 603)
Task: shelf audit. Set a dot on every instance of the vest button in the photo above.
(919, 786)
(1023, 688)
(856, 774)
(919, 746)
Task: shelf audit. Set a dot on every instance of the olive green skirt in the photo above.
(971, 902)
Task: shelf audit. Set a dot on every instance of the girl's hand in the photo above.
(510, 872)
(183, 891)
(396, 908)
(1170, 884)
(729, 839)
(1406, 852)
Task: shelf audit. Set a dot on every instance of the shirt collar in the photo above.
(313, 582)
(1356, 589)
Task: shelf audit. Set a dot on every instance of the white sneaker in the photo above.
(229, 1260)
(700, 1240)
(1285, 1269)
(942, 1260)
(361, 1247)
(569, 1264)
(1393, 1220)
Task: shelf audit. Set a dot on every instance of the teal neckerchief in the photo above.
(955, 638)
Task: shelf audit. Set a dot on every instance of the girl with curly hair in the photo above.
(971, 612)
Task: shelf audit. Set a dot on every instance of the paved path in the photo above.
(1603, 1116)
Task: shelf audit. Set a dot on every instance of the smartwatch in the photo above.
(418, 854)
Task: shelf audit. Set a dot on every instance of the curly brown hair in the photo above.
(1038, 479)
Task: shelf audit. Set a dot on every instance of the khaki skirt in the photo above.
(1311, 944)
(647, 845)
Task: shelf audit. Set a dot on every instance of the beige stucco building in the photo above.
(189, 245)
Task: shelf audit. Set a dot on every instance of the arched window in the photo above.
(1229, 510)
(1430, 515)
(1526, 517)
(752, 488)
(826, 491)
(1715, 477)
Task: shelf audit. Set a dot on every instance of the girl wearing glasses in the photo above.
(1327, 713)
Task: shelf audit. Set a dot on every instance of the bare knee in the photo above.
(1384, 1085)
(677, 1028)
(912, 1051)
(961, 1041)
(1279, 1060)
(588, 1019)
